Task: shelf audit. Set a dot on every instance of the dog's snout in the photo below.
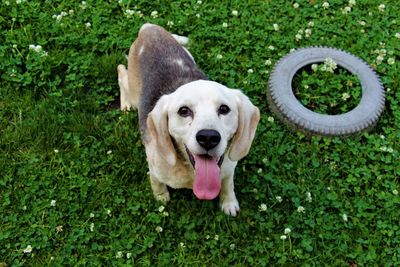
(208, 139)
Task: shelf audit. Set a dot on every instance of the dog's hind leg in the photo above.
(129, 79)
(125, 95)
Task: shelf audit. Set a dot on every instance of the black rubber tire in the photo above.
(288, 108)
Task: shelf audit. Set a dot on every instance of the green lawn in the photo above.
(73, 176)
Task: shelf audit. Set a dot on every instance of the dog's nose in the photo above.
(208, 139)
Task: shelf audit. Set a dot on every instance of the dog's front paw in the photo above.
(230, 207)
(163, 197)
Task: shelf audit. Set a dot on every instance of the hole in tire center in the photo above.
(327, 88)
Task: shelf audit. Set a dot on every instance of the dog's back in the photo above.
(164, 66)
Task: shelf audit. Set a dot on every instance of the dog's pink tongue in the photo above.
(207, 183)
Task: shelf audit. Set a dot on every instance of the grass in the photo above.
(73, 179)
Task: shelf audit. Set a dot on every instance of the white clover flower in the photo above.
(118, 255)
(129, 13)
(88, 24)
(397, 35)
(298, 37)
(170, 23)
(395, 192)
(287, 231)
(268, 62)
(109, 213)
(83, 5)
(260, 170)
(250, 71)
(314, 67)
(165, 214)
(219, 56)
(159, 229)
(345, 96)
(381, 7)
(362, 23)
(308, 33)
(330, 65)
(91, 227)
(18, 2)
(232, 246)
(296, 5)
(128, 255)
(235, 12)
(182, 245)
(263, 207)
(379, 59)
(36, 48)
(391, 61)
(283, 237)
(386, 149)
(279, 199)
(352, 2)
(198, 15)
(53, 203)
(310, 24)
(216, 237)
(344, 217)
(199, 2)
(28, 249)
(325, 5)
(91, 215)
(161, 208)
(109, 152)
(301, 209)
(308, 197)
(56, 151)
(225, 25)
(346, 10)
(154, 14)
(276, 27)
(271, 47)
(71, 12)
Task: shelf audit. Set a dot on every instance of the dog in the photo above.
(194, 130)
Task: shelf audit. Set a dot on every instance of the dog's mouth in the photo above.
(207, 183)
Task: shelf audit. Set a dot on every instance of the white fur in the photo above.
(203, 98)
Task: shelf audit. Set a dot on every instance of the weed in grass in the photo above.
(326, 88)
(73, 179)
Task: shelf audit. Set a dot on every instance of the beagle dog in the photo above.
(194, 130)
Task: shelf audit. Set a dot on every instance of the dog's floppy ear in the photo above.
(248, 117)
(157, 124)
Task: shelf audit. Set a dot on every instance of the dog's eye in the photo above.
(223, 110)
(185, 112)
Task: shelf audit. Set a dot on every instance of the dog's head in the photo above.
(208, 123)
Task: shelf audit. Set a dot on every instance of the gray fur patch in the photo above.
(159, 72)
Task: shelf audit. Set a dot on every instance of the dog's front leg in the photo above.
(160, 190)
(227, 197)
